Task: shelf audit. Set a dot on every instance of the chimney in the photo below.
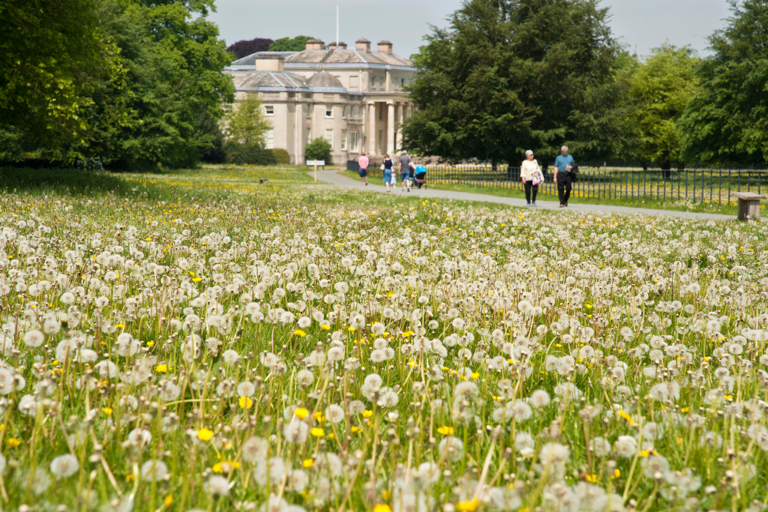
(270, 62)
(315, 44)
(337, 46)
(363, 45)
(385, 47)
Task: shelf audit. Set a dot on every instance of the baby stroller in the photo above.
(421, 176)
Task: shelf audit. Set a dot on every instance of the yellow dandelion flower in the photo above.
(204, 434)
(469, 505)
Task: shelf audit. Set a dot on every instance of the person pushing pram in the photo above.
(420, 176)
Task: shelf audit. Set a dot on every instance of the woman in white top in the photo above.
(531, 175)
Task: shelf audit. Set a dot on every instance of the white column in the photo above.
(371, 129)
(391, 129)
(400, 117)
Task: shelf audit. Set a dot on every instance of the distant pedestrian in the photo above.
(531, 175)
(363, 162)
(405, 171)
(564, 176)
(389, 175)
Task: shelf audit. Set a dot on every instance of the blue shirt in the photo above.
(561, 162)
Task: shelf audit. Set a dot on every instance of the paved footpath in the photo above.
(334, 178)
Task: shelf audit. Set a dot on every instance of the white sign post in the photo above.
(316, 163)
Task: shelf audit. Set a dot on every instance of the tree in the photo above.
(508, 75)
(54, 57)
(318, 149)
(659, 91)
(247, 47)
(174, 85)
(246, 121)
(726, 122)
(286, 44)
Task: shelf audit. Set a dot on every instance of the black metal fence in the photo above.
(713, 186)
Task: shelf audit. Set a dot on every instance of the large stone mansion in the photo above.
(353, 98)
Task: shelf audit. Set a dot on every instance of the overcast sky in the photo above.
(640, 24)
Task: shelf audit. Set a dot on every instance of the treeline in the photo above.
(260, 44)
(133, 84)
(512, 75)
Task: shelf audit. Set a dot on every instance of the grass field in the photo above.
(197, 341)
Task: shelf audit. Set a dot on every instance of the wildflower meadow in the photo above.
(175, 344)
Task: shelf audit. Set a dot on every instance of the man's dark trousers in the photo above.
(564, 186)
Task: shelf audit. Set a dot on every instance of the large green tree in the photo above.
(659, 90)
(510, 75)
(288, 44)
(175, 88)
(727, 121)
(54, 56)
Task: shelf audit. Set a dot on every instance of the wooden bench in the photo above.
(749, 204)
(263, 181)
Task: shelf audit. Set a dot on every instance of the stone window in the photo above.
(329, 112)
(343, 140)
(354, 139)
(329, 137)
(373, 82)
(344, 112)
(270, 139)
(309, 135)
(309, 111)
(270, 110)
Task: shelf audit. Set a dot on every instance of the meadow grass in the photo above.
(185, 343)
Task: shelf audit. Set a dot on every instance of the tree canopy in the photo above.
(658, 92)
(136, 83)
(287, 44)
(726, 122)
(54, 57)
(511, 75)
(246, 122)
(247, 47)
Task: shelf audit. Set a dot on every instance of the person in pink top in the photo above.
(363, 172)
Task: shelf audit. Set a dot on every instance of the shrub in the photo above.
(251, 153)
(318, 149)
(281, 156)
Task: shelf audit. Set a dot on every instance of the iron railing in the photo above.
(714, 186)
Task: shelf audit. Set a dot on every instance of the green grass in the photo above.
(647, 203)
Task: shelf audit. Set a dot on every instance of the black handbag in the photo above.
(574, 173)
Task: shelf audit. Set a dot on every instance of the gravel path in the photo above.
(334, 178)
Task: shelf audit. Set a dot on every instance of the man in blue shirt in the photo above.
(563, 176)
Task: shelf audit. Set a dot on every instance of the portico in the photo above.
(383, 125)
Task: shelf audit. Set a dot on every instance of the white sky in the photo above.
(641, 24)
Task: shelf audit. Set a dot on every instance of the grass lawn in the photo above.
(647, 203)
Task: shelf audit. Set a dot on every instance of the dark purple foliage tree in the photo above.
(243, 48)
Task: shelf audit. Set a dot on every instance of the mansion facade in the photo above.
(355, 99)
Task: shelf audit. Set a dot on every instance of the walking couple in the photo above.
(531, 175)
(407, 168)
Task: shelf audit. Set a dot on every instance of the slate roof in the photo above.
(271, 80)
(313, 58)
(329, 57)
